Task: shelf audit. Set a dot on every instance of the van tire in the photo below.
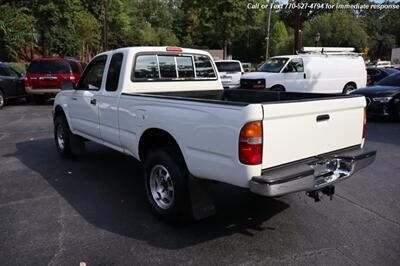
(278, 88)
(348, 89)
(166, 184)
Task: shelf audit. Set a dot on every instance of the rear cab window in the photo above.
(49, 67)
(172, 67)
(228, 66)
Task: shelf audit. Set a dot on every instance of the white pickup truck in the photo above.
(166, 107)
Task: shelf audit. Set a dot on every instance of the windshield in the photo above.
(392, 80)
(228, 66)
(49, 67)
(273, 65)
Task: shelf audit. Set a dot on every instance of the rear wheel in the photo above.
(348, 89)
(1, 99)
(166, 178)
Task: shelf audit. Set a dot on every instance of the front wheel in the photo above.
(166, 178)
(62, 136)
(397, 111)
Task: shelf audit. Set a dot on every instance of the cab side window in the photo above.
(295, 65)
(114, 71)
(93, 75)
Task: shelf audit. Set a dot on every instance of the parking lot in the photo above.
(93, 209)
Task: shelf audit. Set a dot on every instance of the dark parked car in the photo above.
(11, 84)
(383, 99)
(44, 76)
(376, 74)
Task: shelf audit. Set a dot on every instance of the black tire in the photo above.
(397, 111)
(61, 124)
(38, 99)
(348, 88)
(178, 208)
(277, 88)
(2, 100)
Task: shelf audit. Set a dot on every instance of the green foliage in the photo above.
(16, 32)
(340, 29)
(280, 39)
(75, 27)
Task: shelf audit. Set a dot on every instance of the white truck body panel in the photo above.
(208, 133)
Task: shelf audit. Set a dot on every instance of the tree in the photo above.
(280, 39)
(16, 31)
(340, 29)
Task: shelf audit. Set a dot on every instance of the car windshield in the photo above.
(49, 67)
(228, 66)
(273, 65)
(392, 80)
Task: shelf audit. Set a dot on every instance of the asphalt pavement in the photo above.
(93, 210)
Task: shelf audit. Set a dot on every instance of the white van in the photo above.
(230, 72)
(318, 70)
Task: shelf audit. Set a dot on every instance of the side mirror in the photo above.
(66, 85)
(247, 70)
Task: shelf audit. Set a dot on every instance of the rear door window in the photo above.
(49, 67)
(228, 66)
(74, 67)
(3, 72)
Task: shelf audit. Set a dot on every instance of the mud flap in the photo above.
(77, 144)
(201, 200)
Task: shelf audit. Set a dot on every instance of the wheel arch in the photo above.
(278, 86)
(58, 110)
(352, 83)
(154, 138)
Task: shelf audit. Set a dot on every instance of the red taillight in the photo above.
(174, 49)
(251, 143)
(365, 124)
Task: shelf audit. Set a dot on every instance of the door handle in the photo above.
(322, 118)
(93, 101)
(305, 75)
(74, 98)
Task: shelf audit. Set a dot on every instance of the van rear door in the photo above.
(297, 130)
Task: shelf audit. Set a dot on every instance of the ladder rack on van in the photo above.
(347, 51)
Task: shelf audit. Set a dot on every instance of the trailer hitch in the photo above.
(317, 195)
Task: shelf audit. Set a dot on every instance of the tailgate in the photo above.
(298, 130)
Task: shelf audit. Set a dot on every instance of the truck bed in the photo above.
(242, 97)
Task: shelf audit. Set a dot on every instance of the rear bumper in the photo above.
(40, 91)
(311, 174)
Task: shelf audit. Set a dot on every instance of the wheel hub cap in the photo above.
(161, 187)
(60, 137)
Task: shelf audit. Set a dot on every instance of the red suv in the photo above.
(44, 75)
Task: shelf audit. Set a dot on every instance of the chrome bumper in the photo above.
(311, 174)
